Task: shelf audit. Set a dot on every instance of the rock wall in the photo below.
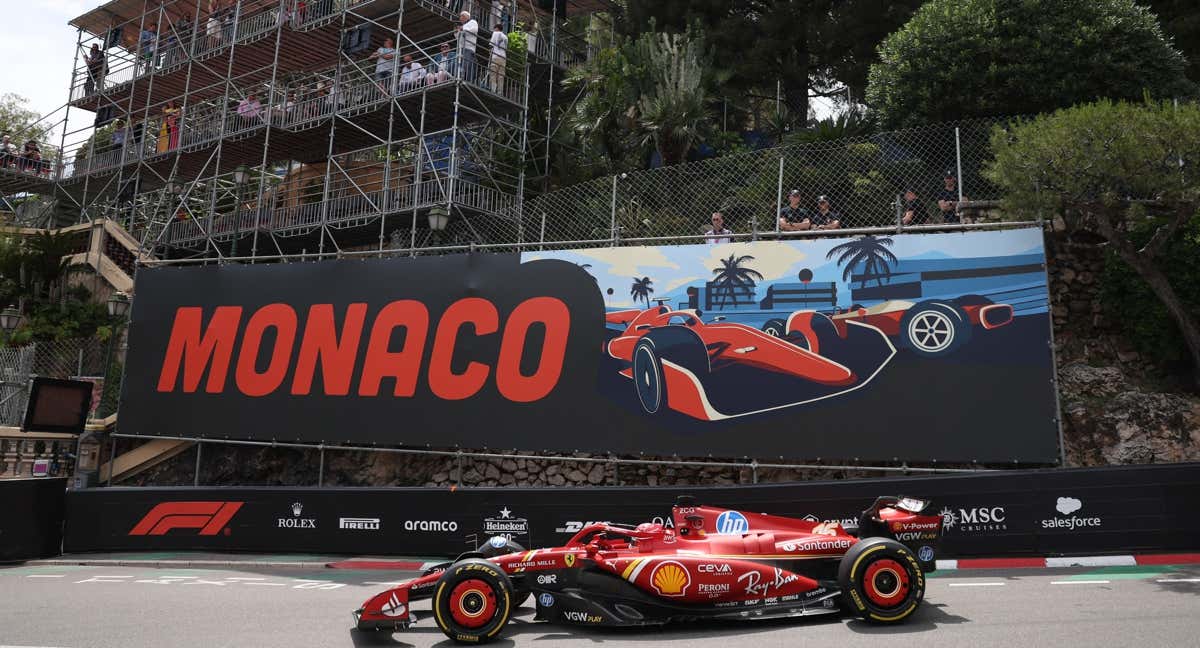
(1110, 415)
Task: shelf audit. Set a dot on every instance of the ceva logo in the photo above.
(209, 517)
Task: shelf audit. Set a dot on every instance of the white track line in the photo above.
(1178, 580)
(976, 584)
(1081, 582)
(271, 584)
(44, 576)
(246, 578)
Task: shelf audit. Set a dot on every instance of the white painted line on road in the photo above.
(43, 576)
(390, 583)
(118, 576)
(1081, 582)
(976, 584)
(1092, 561)
(270, 584)
(246, 578)
(1177, 580)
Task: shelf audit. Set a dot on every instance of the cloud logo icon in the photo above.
(1068, 505)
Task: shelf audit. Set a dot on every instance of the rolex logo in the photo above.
(297, 509)
(297, 522)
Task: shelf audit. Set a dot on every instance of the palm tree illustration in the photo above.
(871, 253)
(642, 289)
(731, 277)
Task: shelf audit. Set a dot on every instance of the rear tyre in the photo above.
(473, 601)
(934, 329)
(881, 581)
(775, 327)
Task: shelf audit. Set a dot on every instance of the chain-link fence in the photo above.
(862, 179)
(92, 359)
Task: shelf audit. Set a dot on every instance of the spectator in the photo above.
(468, 39)
(494, 15)
(718, 233)
(8, 152)
(506, 16)
(914, 210)
(212, 28)
(249, 110)
(31, 157)
(96, 69)
(147, 41)
(825, 218)
(793, 217)
(444, 64)
(383, 62)
(168, 131)
(948, 199)
(499, 60)
(413, 74)
(118, 134)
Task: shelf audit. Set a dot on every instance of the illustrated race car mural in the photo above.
(713, 371)
(931, 328)
(715, 564)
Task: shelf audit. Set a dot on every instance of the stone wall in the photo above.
(1111, 415)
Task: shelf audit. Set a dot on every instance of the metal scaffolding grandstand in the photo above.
(229, 128)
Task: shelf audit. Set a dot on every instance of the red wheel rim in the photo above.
(472, 603)
(886, 582)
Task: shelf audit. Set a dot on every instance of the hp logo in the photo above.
(498, 542)
(925, 553)
(732, 522)
(545, 600)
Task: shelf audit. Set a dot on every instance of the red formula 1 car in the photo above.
(715, 564)
(720, 370)
(931, 328)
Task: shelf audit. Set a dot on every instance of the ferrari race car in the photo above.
(719, 370)
(714, 564)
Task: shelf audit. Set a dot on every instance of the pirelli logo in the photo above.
(209, 517)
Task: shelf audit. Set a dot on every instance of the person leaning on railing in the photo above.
(8, 152)
(96, 69)
(445, 65)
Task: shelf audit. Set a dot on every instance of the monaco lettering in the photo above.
(276, 348)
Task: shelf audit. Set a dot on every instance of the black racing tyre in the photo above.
(676, 344)
(500, 546)
(972, 300)
(934, 329)
(649, 381)
(881, 581)
(775, 327)
(473, 601)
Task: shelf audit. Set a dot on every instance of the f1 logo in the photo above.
(209, 517)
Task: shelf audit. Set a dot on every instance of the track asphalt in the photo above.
(261, 606)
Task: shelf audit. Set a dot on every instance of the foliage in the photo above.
(74, 316)
(1117, 170)
(1132, 307)
(22, 123)
(1181, 21)
(642, 289)
(869, 252)
(652, 93)
(806, 45)
(1040, 54)
(731, 279)
(518, 54)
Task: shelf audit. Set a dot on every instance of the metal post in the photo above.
(612, 226)
(321, 468)
(112, 457)
(899, 212)
(958, 159)
(262, 176)
(779, 195)
(542, 234)
(196, 473)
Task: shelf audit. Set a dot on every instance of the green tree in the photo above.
(1040, 55)
(673, 111)
(1181, 22)
(809, 46)
(1117, 170)
(20, 122)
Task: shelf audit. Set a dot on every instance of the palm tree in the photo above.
(869, 251)
(731, 276)
(642, 289)
(673, 113)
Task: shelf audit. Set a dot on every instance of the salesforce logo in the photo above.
(731, 522)
(545, 600)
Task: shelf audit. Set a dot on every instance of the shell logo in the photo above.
(670, 578)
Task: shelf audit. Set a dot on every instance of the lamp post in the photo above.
(10, 319)
(240, 177)
(438, 218)
(118, 308)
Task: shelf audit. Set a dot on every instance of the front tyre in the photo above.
(500, 546)
(473, 601)
(881, 581)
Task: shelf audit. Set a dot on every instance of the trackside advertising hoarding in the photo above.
(929, 347)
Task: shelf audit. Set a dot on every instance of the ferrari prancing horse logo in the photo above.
(569, 559)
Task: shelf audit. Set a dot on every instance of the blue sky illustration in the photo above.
(674, 268)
